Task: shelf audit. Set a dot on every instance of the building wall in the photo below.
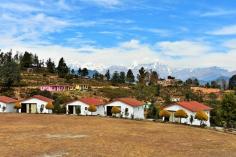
(175, 108)
(137, 112)
(9, 107)
(83, 106)
(38, 103)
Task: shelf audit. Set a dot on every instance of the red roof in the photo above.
(193, 106)
(92, 101)
(40, 97)
(131, 101)
(6, 99)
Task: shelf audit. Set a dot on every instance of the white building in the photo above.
(130, 108)
(191, 108)
(35, 104)
(7, 104)
(83, 105)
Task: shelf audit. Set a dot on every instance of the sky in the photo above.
(100, 33)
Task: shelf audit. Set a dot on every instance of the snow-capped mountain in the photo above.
(203, 74)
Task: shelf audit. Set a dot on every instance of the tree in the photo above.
(17, 106)
(115, 77)
(79, 71)
(62, 68)
(84, 72)
(181, 114)
(122, 77)
(73, 71)
(50, 66)
(153, 78)
(232, 82)
(158, 90)
(228, 109)
(202, 116)
(49, 106)
(142, 75)
(35, 60)
(130, 76)
(214, 84)
(92, 108)
(26, 60)
(115, 110)
(164, 114)
(107, 75)
(9, 74)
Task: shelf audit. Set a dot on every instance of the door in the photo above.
(23, 108)
(33, 108)
(109, 113)
(71, 109)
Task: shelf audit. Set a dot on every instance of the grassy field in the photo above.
(61, 135)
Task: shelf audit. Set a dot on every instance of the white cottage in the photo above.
(130, 108)
(191, 108)
(7, 104)
(35, 104)
(83, 105)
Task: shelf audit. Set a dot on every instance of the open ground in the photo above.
(61, 135)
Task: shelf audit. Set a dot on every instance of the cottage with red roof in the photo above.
(35, 104)
(130, 108)
(7, 104)
(83, 104)
(191, 108)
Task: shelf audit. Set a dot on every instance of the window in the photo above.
(126, 112)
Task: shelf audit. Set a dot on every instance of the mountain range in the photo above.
(203, 74)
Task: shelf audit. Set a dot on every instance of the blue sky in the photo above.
(98, 33)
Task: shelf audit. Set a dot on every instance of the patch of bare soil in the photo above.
(24, 135)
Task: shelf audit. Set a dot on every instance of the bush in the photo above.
(17, 106)
(164, 113)
(49, 106)
(202, 116)
(92, 108)
(115, 110)
(181, 114)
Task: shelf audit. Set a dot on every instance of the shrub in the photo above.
(181, 114)
(92, 108)
(202, 116)
(164, 113)
(17, 106)
(49, 106)
(115, 110)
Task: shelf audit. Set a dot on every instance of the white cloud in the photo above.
(218, 12)
(227, 30)
(129, 53)
(21, 7)
(104, 3)
(182, 48)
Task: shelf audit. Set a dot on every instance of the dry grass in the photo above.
(54, 135)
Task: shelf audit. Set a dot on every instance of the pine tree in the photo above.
(115, 77)
(107, 75)
(62, 68)
(84, 72)
(122, 77)
(232, 82)
(26, 60)
(142, 75)
(130, 76)
(50, 66)
(153, 78)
